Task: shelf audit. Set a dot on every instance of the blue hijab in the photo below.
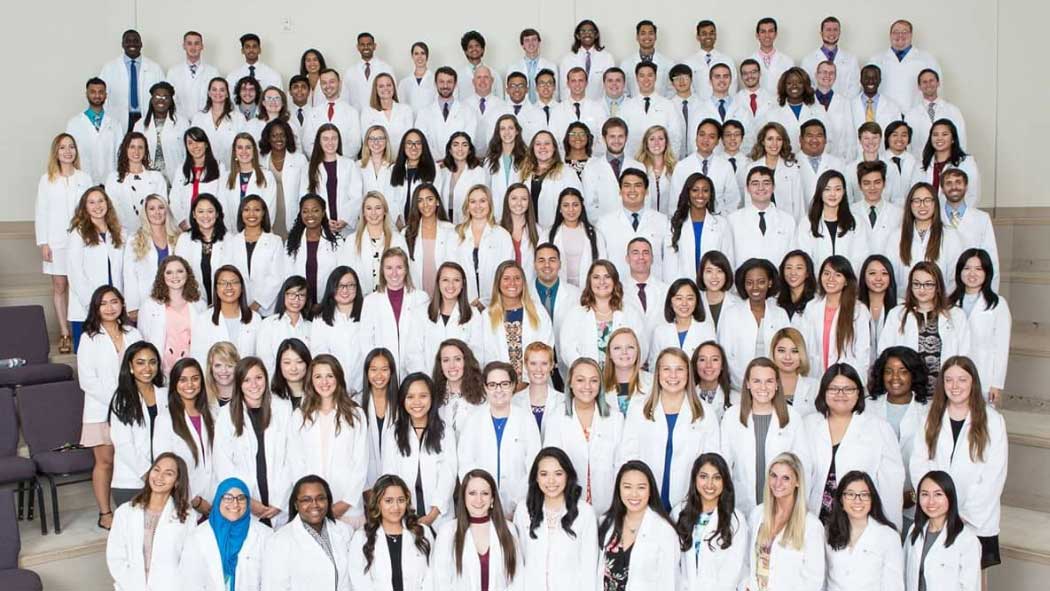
(230, 535)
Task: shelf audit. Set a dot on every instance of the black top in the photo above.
(206, 272)
(617, 567)
(393, 546)
(152, 410)
(251, 250)
(255, 415)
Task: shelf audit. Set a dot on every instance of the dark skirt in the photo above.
(989, 551)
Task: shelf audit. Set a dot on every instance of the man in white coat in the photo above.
(688, 102)
(545, 106)
(529, 116)
(931, 108)
(645, 35)
(128, 79)
(335, 111)
(901, 64)
(772, 61)
(714, 166)
(815, 160)
(648, 108)
(531, 62)
(633, 220)
(642, 286)
(701, 61)
(720, 105)
(848, 82)
(97, 134)
(473, 45)
(357, 80)
(251, 49)
(191, 76)
(974, 226)
(445, 116)
(614, 85)
(299, 107)
(754, 100)
(575, 106)
(557, 297)
(871, 104)
(487, 107)
(601, 174)
(882, 217)
(838, 112)
(760, 230)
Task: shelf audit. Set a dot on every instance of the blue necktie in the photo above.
(634, 221)
(134, 91)
(722, 109)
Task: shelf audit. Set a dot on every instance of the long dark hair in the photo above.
(907, 235)
(237, 404)
(293, 507)
(435, 429)
(391, 393)
(292, 282)
(838, 526)
(889, 301)
(472, 155)
(427, 168)
(835, 370)
(588, 228)
(211, 165)
(317, 157)
(123, 162)
(473, 387)
(177, 408)
(844, 337)
(126, 405)
(462, 303)
(955, 157)
(180, 493)
(326, 309)
(694, 505)
(613, 518)
(846, 221)
(535, 497)
(809, 285)
(499, 522)
(953, 524)
(295, 234)
(494, 152)
(597, 35)
(264, 223)
(227, 106)
(219, 231)
(681, 212)
(242, 303)
(374, 518)
(990, 297)
(912, 362)
(415, 219)
(93, 322)
(279, 386)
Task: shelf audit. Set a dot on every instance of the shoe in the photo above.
(100, 516)
(65, 345)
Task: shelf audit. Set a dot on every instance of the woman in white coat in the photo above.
(586, 329)
(219, 119)
(385, 109)
(713, 531)
(281, 154)
(863, 548)
(377, 159)
(132, 181)
(682, 252)
(787, 547)
(417, 89)
(140, 397)
(312, 249)
(204, 246)
(949, 559)
(657, 157)
(291, 319)
(557, 528)
(252, 423)
(246, 177)
(686, 325)
(715, 280)
(638, 541)
(458, 382)
(480, 245)
(378, 401)
(328, 436)
(710, 372)
(923, 237)
(538, 394)
(830, 227)
(671, 428)
(545, 171)
(762, 416)
(746, 329)
(200, 173)
(480, 533)
(773, 150)
(226, 551)
(230, 319)
(414, 165)
(164, 129)
(459, 172)
(187, 429)
(146, 248)
(144, 548)
(989, 317)
(107, 335)
(450, 315)
(405, 539)
(96, 256)
(791, 356)
(420, 448)
(512, 320)
(842, 438)
(966, 438)
(943, 151)
(796, 104)
(56, 200)
(428, 237)
(336, 327)
(500, 438)
(174, 307)
(394, 314)
(313, 550)
(335, 178)
(505, 154)
(257, 253)
(519, 220)
(577, 239)
(588, 430)
(835, 324)
(374, 235)
(623, 379)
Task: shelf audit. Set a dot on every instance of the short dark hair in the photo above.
(364, 34)
(698, 311)
(545, 72)
(865, 168)
(613, 70)
(749, 62)
(517, 74)
(705, 23)
(768, 20)
(814, 123)
(250, 37)
(871, 67)
(893, 127)
(741, 274)
(719, 65)
(642, 65)
(548, 246)
(761, 170)
(632, 171)
(928, 71)
(710, 121)
(95, 81)
(448, 71)
(830, 19)
(192, 33)
(471, 36)
(612, 122)
(640, 239)
(954, 172)
(298, 78)
(835, 370)
(642, 23)
(733, 123)
(529, 32)
(680, 70)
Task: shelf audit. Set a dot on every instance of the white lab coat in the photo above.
(578, 334)
(770, 75)
(375, 436)
(118, 84)
(446, 236)
(266, 75)
(220, 135)
(716, 235)
(900, 76)
(366, 259)
(327, 260)
(348, 190)
(347, 463)
(495, 107)
(887, 110)
(396, 123)
(191, 91)
(979, 483)
(181, 194)
(201, 565)
(295, 165)
(172, 143)
(357, 89)
(701, 63)
(437, 471)
(139, 274)
(56, 202)
(875, 563)
(498, 183)
(129, 196)
(206, 333)
(738, 449)
(887, 222)
(98, 365)
(554, 560)
(991, 329)
(918, 117)
(665, 334)
(133, 446)
(653, 311)
(955, 568)
(659, 196)
(618, 230)
(454, 196)
(403, 336)
(231, 198)
(91, 267)
(234, 455)
(495, 246)
(765, 100)
(550, 188)
(654, 555)
(443, 562)
(898, 180)
(417, 92)
(592, 114)
(738, 332)
(437, 129)
(975, 230)
(646, 440)
(787, 193)
(790, 569)
(595, 457)
(201, 478)
(842, 135)
(663, 66)
(785, 115)
(601, 188)
(661, 112)
(265, 274)
(273, 331)
(912, 425)
(805, 396)
(748, 240)
(294, 560)
(192, 251)
(153, 322)
(601, 60)
(847, 70)
(858, 354)
(584, 264)
(951, 248)
(415, 565)
(124, 555)
(954, 330)
(510, 461)
(869, 445)
(342, 339)
(97, 148)
(345, 117)
(856, 245)
(715, 568)
(471, 332)
(727, 194)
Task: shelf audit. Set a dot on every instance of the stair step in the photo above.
(1025, 534)
(80, 536)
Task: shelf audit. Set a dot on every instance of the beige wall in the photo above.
(69, 44)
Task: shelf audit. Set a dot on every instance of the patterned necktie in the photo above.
(707, 59)
(869, 112)
(722, 109)
(368, 71)
(251, 71)
(299, 115)
(634, 222)
(193, 70)
(931, 112)
(703, 166)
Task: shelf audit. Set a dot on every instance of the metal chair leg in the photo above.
(54, 504)
(31, 500)
(21, 500)
(40, 501)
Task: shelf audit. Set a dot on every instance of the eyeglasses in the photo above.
(296, 296)
(272, 99)
(842, 390)
(499, 385)
(922, 201)
(855, 496)
(545, 83)
(765, 183)
(346, 286)
(229, 499)
(225, 284)
(318, 500)
(517, 85)
(923, 285)
(413, 143)
(577, 134)
(161, 97)
(377, 138)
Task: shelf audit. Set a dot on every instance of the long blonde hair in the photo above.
(53, 167)
(530, 164)
(226, 352)
(690, 388)
(395, 251)
(388, 231)
(366, 154)
(495, 306)
(232, 179)
(645, 157)
(609, 383)
(462, 228)
(142, 241)
(795, 528)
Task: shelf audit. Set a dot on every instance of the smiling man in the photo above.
(128, 79)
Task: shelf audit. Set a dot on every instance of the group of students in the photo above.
(542, 331)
